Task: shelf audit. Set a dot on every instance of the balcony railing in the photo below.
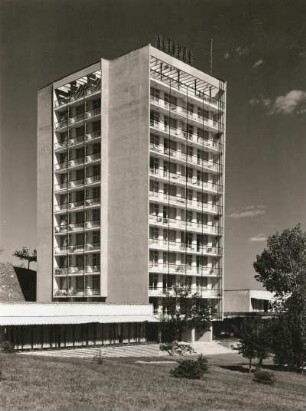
(181, 134)
(73, 270)
(88, 202)
(166, 245)
(77, 183)
(92, 135)
(86, 225)
(193, 182)
(77, 248)
(170, 291)
(64, 122)
(181, 202)
(93, 157)
(182, 111)
(183, 224)
(87, 292)
(172, 268)
(77, 140)
(82, 92)
(185, 89)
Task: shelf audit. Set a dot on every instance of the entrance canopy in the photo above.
(73, 313)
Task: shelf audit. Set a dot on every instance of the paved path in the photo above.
(144, 350)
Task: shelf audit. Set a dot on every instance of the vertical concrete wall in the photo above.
(104, 174)
(128, 161)
(44, 196)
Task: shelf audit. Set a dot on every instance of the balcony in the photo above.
(76, 141)
(80, 93)
(182, 269)
(75, 205)
(183, 114)
(177, 201)
(73, 227)
(75, 184)
(165, 245)
(202, 292)
(164, 82)
(185, 225)
(77, 248)
(93, 135)
(93, 158)
(72, 292)
(192, 182)
(182, 135)
(77, 270)
(78, 118)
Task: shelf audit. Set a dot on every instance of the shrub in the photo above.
(264, 377)
(6, 347)
(193, 369)
(177, 349)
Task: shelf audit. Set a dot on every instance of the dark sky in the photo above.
(259, 48)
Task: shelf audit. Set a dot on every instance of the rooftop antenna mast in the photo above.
(211, 55)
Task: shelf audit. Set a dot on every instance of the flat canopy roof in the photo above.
(73, 313)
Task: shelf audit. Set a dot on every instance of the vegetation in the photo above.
(185, 311)
(264, 377)
(177, 349)
(191, 368)
(254, 341)
(26, 254)
(40, 383)
(281, 268)
(6, 347)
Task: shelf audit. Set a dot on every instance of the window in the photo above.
(96, 237)
(80, 131)
(96, 259)
(153, 209)
(154, 186)
(80, 261)
(96, 282)
(201, 282)
(96, 103)
(96, 215)
(154, 164)
(154, 233)
(190, 108)
(79, 283)
(155, 93)
(153, 281)
(79, 217)
(154, 140)
(154, 257)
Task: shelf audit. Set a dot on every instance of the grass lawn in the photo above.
(40, 383)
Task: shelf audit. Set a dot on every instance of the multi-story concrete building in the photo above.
(131, 182)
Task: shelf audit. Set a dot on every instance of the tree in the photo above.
(185, 311)
(254, 341)
(26, 254)
(281, 268)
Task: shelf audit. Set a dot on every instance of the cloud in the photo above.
(292, 102)
(258, 63)
(302, 54)
(249, 212)
(258, 238)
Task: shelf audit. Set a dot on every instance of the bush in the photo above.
(193, 369)
(177, 349)
(6, 347)
(264, 377)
